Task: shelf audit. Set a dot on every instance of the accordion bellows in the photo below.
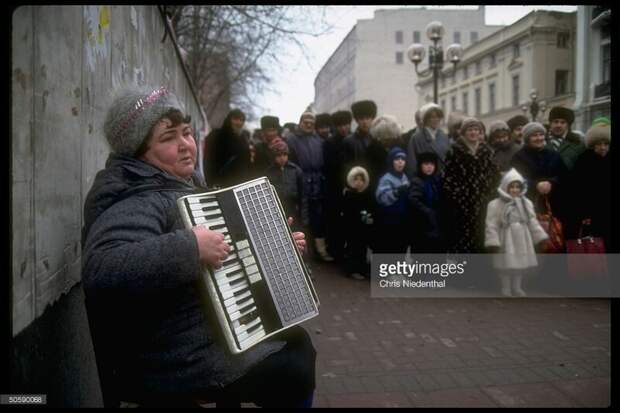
(264, 286)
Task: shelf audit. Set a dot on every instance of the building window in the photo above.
(465, 72)
(478, 101)
(465, 102)
(399, 37)
(399, 58)
(453, 103)
(492, 97)
(493, 61)
(563, 39)
(515, 90)
(478, 67)
(516, 51)
(561, 82)
(473, 37)
(606, 63)
(416, 36)
(457, 37)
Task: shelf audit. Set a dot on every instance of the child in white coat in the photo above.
(512, 231)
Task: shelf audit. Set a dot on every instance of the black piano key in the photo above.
(210, 208)
(244, 299)
(237, 281)
(253, 328)
(238, 293)
(218, 226)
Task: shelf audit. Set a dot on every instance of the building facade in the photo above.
(593, 65)
(494, 78)
(371, 62)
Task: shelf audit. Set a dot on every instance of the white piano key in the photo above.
(236, 298)
(245, 334)
(228, 283)
(211, 213)
(248, 261)
(209, 223)
(243, 244)
(246, 252)
(232, 309)
(238, 314)
(225, 271)
(251, 269)
(255, 278)
(199, 199)
(258, 334)
(199, 206)
(245, 327)
(229, 293)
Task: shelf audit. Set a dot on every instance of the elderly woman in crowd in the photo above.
(428, 138)
(141, 271)
(470, 180)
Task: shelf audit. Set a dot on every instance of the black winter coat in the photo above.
(140, 272)
(367, 152)
(288, 182)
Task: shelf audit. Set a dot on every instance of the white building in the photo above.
(371, 62)
(495, 75)
(593, 77)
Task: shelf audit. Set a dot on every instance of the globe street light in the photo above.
(534, 106)
(416, 52)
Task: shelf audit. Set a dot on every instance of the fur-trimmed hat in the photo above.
(341, 117)
(279, 148)
(516, 121)
(559, 112)
(531, 128)
(497, 126)
(358, 170)
(323, 120)
(598, 133)
(469, 122)
(364, 109)
(133, 113)
(386, 129)
(270, 122)
(426, 110)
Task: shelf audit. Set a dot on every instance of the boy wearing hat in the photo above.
(561, 139)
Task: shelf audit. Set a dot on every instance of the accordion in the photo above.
(263, 287)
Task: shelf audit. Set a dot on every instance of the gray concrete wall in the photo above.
(66, 62)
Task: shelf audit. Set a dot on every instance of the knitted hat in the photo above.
(531, 128)
(133, 113)
(469, 122)
(559, 112)
(516, 121)
(341, 117)
(394, 153)
(598, 133)
(269, 122)
(279, 148)
(428, 109)
(323, 120)
(602, 120)
(364, 109)
(356, 170)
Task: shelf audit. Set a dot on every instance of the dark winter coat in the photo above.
(288, 182)
(140, 268)
(425, 196)
(306, 151)
(470, 182)
(227, 157)
(422, 142)
(502, 155)
(571, 147)
(333, 166)
(367, 152)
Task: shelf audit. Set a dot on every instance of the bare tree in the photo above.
(233, 49)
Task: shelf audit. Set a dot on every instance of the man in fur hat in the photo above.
(270, 131)
(561, 139)
(323, 125)
(516, 124)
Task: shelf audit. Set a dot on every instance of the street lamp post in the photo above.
(416, 53)
(534, 106)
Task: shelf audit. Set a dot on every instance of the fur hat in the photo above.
(133, 113)
(469, 122)
(427, 157)
(517, 121)
(323, 120)
(364, 109)
(426, 110)
(598, 133)
(497, 126)
(341, 117)
(531, 128)
(279, 148)
(356, 170)
(270, 122)
(559, 112)
(385, 129)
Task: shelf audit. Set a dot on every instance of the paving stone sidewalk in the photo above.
(457, 352)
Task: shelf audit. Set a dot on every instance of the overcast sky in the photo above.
(295, 83)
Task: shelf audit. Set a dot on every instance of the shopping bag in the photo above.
(553, 227)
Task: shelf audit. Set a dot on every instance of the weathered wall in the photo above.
(66, 62)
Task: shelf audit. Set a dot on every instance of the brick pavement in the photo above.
(465, 352)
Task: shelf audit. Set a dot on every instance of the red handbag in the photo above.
(553, 227)
(586, 257)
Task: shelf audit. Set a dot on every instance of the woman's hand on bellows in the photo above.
(299, 237)
(211, 246)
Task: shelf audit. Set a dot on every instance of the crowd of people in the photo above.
(426, 190)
